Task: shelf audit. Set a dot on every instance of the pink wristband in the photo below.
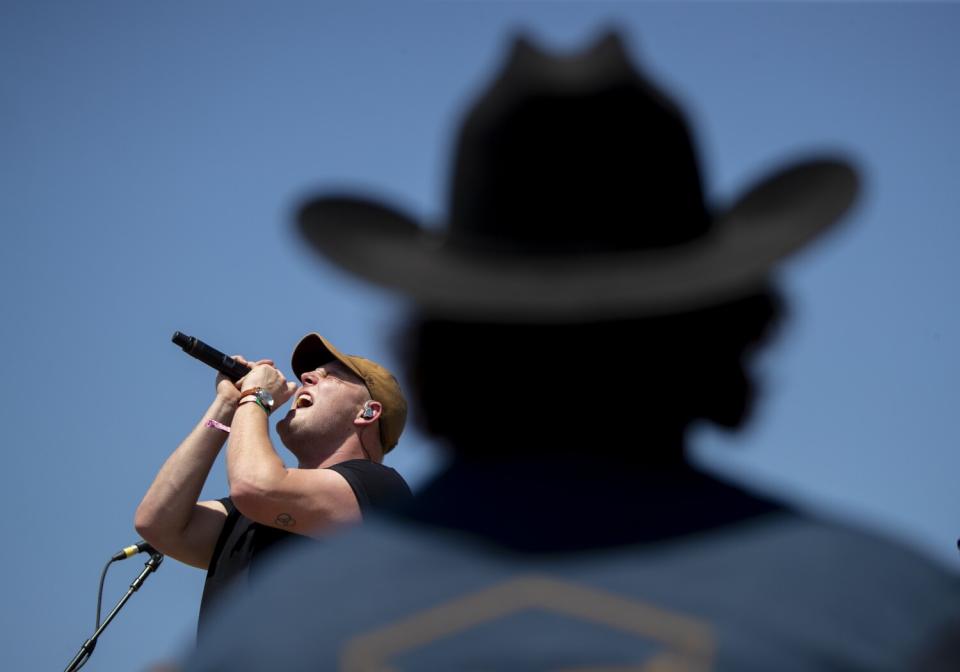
(217, 425)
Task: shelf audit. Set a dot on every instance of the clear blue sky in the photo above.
(151, 155)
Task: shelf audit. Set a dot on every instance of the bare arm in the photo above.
(170, 517)
(304, 501)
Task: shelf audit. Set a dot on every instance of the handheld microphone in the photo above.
(194, 347)
(130, 551)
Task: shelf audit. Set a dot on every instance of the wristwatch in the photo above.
(259, 395)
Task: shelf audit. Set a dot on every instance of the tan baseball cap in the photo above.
(314, 350)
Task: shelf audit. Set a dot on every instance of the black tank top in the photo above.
(244, 544)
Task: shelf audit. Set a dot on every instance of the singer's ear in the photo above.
(369, 413)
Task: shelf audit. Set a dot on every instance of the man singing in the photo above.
(346, 414)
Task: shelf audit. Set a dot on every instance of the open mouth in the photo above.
(303, 401)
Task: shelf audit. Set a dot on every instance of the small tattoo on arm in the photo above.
(285, 520)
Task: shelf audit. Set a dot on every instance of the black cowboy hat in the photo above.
(576, 195)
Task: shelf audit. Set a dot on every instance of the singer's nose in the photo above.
(313, 377)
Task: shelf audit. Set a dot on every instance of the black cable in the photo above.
(103, 576)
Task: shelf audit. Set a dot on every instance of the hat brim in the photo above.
(776, 217)
(314, 350)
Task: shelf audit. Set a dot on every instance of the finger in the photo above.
(288, 391)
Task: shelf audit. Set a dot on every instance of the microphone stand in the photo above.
(87, 649)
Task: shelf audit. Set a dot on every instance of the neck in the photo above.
(647, 446)
(316, 457)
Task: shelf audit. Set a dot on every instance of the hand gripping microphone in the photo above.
(194, 347)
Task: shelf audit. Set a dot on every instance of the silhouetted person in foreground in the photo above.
(581, 311)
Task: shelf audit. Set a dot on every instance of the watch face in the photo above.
(265, 397)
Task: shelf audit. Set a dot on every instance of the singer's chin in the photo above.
(283, 427)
